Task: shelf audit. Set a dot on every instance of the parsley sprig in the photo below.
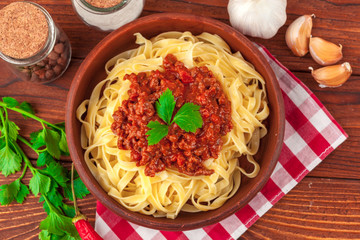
(49, 179)
(187, 118)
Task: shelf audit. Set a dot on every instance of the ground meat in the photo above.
(181, 150)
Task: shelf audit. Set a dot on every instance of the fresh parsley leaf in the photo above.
(13, 191)
(45, 206)
(165, 106)
(52, 139)
(158, 131)
(39, 183)
(79, 187)
(60, 128)
(10, 102)
(68, 210)
(188, 117)
(53, 196)
(8, 192)
(38, 139)
(12, 130)
(27, 108)
(10, 162)
(63, 143)
(2, 144)
(44, 159)
(57, 172)
(22, 193)
(58, 224)
(68, 237)
(44, 235)
(34, 135)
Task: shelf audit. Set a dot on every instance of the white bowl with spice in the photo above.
(34, 47)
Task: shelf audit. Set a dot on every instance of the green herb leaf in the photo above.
(68, 237)
(2, 143)
(34, 135)
(10, 162)
(165, 106)
(44, 159)
(39, 183)
(27, 108)
(58, 224)
(8, 192)
(10, 102)
(22, 193)
(63, 143)
(188, 117)
(12, 130)
(158, 131)
(68, 210)
(44, 235)
(57, 172)
(52, 139)
(13, 191)
(79, 187)
(54, 197)
(38, 139)
(45, 206)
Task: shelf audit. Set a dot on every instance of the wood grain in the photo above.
(324, 205)
(317, 208)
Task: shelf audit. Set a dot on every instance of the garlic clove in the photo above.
(298, 35)
(325, 52)
(332, 76)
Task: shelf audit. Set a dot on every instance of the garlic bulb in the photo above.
(257, 18)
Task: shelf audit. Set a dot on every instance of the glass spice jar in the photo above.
(108, 15)
(42, 50)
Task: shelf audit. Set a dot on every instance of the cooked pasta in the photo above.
(169, 191)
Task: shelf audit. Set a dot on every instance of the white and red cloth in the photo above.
(311, 133)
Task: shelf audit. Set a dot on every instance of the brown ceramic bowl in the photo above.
(92, 71)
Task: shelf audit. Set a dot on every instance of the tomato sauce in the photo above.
(181, 150)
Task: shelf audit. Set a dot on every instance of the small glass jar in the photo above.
(108, 18)
(52, 59)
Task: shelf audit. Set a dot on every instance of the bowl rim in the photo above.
(90, 181)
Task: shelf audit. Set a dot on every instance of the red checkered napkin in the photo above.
(311, 133)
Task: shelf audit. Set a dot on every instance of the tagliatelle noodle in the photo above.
(170, 192)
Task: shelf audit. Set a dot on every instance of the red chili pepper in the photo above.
(85, 230)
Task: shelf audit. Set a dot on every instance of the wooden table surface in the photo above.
(324, 205)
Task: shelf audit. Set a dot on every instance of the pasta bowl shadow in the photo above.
(92, 71)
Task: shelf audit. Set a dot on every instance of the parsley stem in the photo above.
(30, 115)
(24, 171)
(23, 140)
(77, 212)
(3, 121)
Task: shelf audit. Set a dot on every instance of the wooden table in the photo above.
(324, 205)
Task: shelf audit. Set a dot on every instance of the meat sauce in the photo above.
(181, 150)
